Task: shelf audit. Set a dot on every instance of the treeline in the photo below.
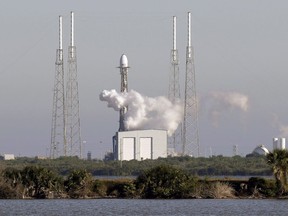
(170, 178)
(213, 166)
(164, 182)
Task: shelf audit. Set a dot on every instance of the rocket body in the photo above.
(124, 88)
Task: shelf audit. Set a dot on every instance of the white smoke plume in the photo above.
(283, 129)
(145, 112)
(221, 102)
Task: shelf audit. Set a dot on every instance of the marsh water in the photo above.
(143, 207)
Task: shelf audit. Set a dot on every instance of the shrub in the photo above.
(98, 188)
(165, 182)
(79, 184)
(263, 186)
(7, 192)
(33, 181)
(220, 190)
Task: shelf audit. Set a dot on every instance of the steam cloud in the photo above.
(145, 112)
(223, 101)
(283, 129)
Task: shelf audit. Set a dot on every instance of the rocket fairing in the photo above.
(123, 61)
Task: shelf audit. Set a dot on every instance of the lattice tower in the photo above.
(58, 129)
(190, 123)
(174, 141)
(74, 142)
(235, 150)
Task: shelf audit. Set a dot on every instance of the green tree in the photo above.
(165, 182)
(278, 160)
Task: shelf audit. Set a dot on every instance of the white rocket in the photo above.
(124, 88)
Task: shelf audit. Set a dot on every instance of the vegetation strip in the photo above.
(164, 180)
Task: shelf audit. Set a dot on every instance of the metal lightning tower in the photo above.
(58, 131)
(124, 88)
(174, 88)
(190, 124)
(73, 132)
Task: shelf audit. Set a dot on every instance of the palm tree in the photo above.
(278, 160)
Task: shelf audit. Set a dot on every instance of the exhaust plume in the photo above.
(283, 128)
(222, 101)
(231, 100)
(144, 112)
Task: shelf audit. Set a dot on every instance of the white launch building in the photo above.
(136, 144)
(140, 145)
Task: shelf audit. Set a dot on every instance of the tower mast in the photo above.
(190, 123)
(74, 142)
(58, 130)
(174, 88)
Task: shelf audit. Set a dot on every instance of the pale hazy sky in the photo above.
(240, 46)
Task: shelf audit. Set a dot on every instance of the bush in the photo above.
(98, 188)
(122, 190)
(7, 192)
(79, 184)
(33, 181)
(165, 182)
(220, 190)
(262, 186)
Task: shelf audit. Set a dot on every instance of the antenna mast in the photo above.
(190, 124)
(174, 89)
(58, 130)
(74, 142)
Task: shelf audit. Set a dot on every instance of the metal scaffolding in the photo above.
(73, 133)
(174, 91)
(190, 123)
(58, 129)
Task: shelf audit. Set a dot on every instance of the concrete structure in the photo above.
(140, 144)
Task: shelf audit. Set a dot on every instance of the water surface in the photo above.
(223, 207)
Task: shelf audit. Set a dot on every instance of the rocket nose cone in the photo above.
(123, 61)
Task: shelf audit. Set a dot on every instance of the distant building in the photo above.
(140, 144)
(8, 157)
(89, 156)
(40, 157)
(260, 150)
